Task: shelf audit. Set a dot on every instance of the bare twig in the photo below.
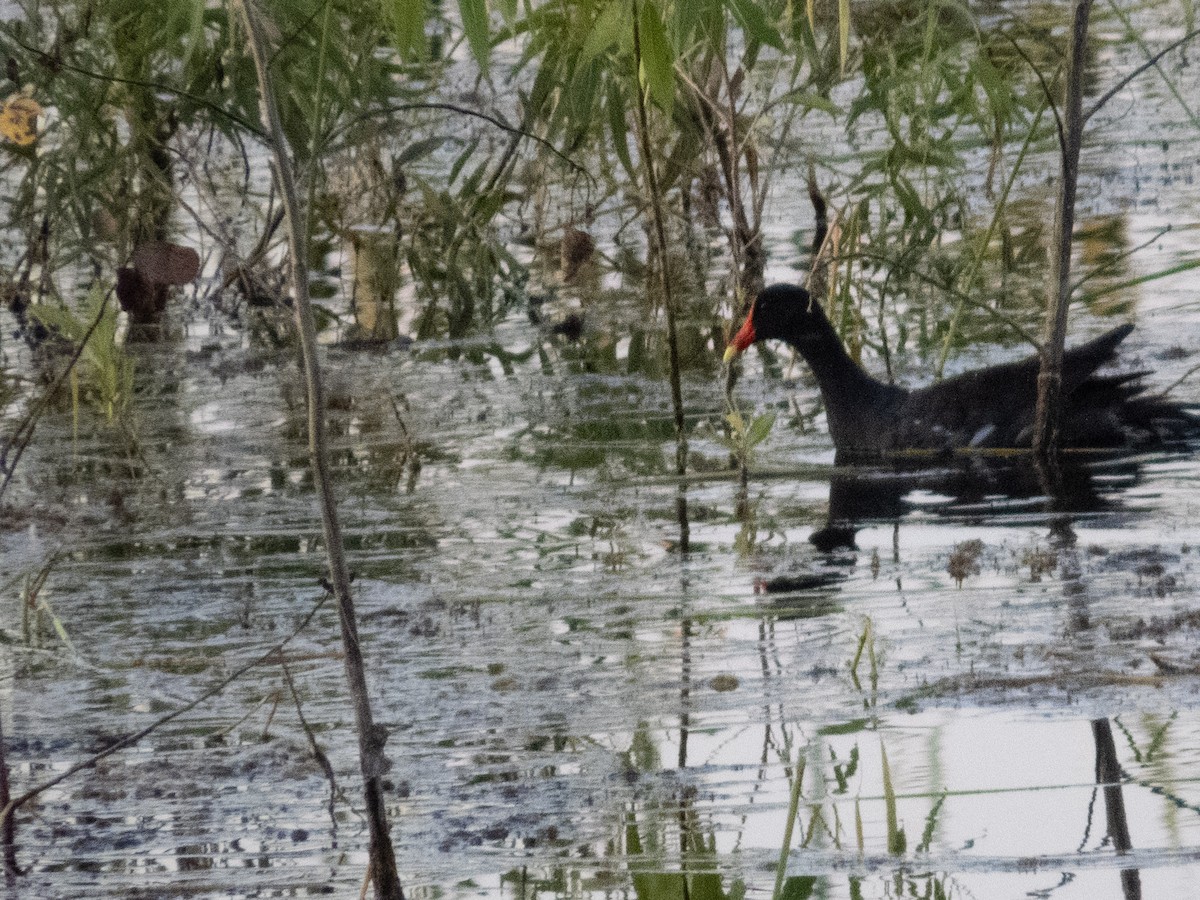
(1181, 379)
(318, 753)
(371, 737)
(997, 214)
(156, 86)
(272, 697)
(1148, 64)
(478, 114)
(1046, 92)
(961, 296)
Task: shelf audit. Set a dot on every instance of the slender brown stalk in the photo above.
(1049, 400)
(371, 737)
(660, 240)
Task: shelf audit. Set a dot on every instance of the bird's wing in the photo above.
(992, 407)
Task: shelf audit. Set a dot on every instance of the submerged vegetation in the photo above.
(581, 190)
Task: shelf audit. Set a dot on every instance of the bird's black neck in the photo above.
(846, 389)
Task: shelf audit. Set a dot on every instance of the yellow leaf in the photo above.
(18, 120)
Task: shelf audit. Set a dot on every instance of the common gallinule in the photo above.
(986, 408)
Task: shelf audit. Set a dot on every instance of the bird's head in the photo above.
(781, 311)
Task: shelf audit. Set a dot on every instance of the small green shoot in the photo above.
(896, 840)
(866, 642)
(793, 812)
(843, 773)
(744, 437)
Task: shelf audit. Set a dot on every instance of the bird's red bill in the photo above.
(743, 339)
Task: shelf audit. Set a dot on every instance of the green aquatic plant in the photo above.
(796, 779)
(939, 86)
(843, 772)
(866, 644)
(896, 840)
(105, 376)
(931, 822)
(744, 436)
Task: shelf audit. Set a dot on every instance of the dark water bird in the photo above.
(987, 408)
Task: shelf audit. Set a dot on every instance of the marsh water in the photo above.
(575, 707)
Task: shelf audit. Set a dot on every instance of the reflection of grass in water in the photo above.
(36, 612)
(866, 642)
(595, 443)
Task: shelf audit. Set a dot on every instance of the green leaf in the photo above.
(660, 885)
(508, 9)
(605, 31)
(998, 88)
(909, 199)
(736, 422)
(490, 204)
(457, 167)
(58, 318)
(705, 886)
(581, 94)
(895, 834)
(760, 428)
(475, 23)
(658, 59)
(810, 100)
(545, 82)
(753, 21)
(695, 20)
(323, 317)
(619, 131)
(408, 26)
(418, 150)
(798, 887)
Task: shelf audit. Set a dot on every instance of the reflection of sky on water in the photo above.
(524, 623)
(524, 611)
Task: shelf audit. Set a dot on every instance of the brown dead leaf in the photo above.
(105, 225)
(577, 248)
(162, 262)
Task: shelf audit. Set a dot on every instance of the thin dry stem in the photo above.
(371, 737)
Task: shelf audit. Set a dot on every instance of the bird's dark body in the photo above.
(987, 408)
